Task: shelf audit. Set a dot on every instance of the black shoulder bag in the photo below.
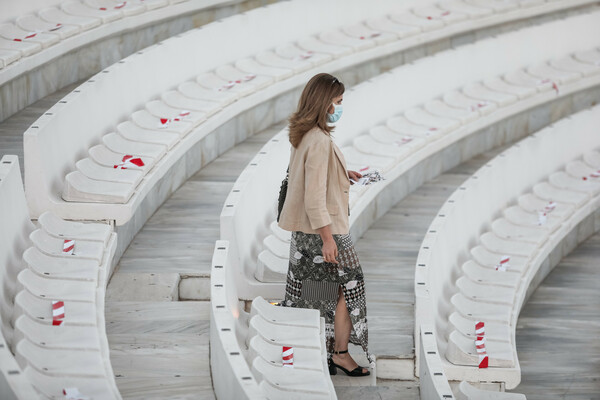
(282, 193)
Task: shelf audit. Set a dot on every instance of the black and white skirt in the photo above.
(313, 283)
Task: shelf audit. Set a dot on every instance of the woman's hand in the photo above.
(330, 251)
(354, 176)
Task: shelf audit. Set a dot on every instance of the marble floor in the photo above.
(558, 330)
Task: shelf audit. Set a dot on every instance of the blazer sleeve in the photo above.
(315, 184)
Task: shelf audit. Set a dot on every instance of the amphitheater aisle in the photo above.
(558, 330)
(160, 346)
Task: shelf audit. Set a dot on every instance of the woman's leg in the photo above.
(343, 326)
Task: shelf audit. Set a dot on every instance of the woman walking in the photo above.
(324, 271)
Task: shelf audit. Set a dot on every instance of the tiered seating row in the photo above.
(246, 349)
(464, 282)
(33, 32)
(214, 97)
(16, 227)
(59, 338)
(424, 129)
(145, 136)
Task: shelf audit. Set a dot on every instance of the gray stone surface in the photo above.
(160, 349)
(558, 330)
(143, 286)
(194, 288)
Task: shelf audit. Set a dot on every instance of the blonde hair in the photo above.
(317, 96)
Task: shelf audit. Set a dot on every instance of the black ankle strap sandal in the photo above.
(358, 371)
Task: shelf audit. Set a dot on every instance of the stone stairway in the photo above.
(157, 305)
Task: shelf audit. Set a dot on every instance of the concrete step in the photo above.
(194, 287)
(143, 286)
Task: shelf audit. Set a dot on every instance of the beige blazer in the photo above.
(318, 186)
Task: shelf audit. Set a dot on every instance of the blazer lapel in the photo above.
(340, 157)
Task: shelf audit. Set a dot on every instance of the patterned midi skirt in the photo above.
(313, 283)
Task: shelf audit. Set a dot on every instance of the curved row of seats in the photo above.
(53, 285)
(444, 110)
(31, 33)
(98, 190)
(249, 71)
(30, 27)
(544, 188)
(47, 45)
(246, 348)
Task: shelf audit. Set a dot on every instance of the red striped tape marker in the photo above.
(483, 361)
(503, 264)
(480, 344)
(483, 357)
(129, 161)
(287, 356)
(479, 328)
(165, 122)
(542, 217)
(58, 312)
(68, 246)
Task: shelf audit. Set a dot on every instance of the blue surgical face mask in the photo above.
(336, 114)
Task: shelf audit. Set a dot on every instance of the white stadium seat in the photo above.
(58, 16)
(34, 23)
(51, 350)
(85, 231)
(14, 33)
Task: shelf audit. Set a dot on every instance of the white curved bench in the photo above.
(51, 355)
(270, 68)
(53, 36)
(16, 226)
(456, 281)
(246, 348)
(384, 147)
